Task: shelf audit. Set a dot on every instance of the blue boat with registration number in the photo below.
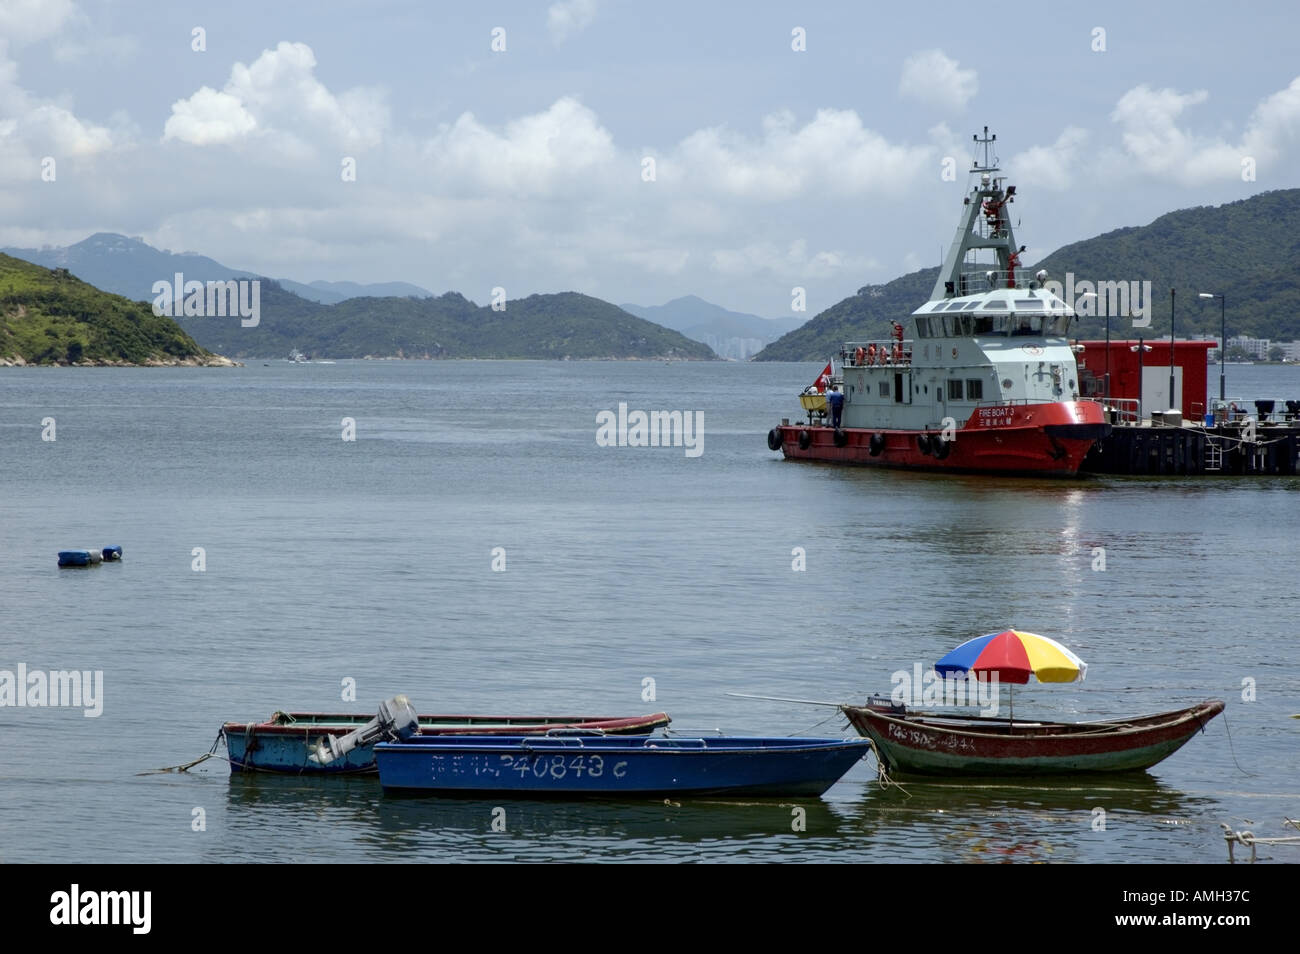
(581, 765)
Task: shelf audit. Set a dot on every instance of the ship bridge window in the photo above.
(1028, 303)
(972, 304)
(1028, 325)
(922, 327)
(954, 306)
(1058, 325)
(959, 326)
(884, 389)
(954, 390)
(983, 324)
(974, 389)
(995, 306)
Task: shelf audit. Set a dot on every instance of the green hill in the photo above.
(567, 325)
(1246, 250)
(49, 317)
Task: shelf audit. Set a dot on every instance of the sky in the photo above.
(634, 151)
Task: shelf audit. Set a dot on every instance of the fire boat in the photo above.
(987, 380)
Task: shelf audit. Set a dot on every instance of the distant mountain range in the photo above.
(561, 326)
(129, 266)
(732, 334)
(394, 319)
(1247, 251)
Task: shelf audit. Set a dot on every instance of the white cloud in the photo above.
(38, 127)
(935, 79)
(1151, 134)
(26, 21)
(1274, 124)
(1050, 167)
(568, 17)
(834, 153)
(1156, 145)
(536, 154)
(279, 94)
(209, 117)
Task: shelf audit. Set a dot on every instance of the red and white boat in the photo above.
(988, 380)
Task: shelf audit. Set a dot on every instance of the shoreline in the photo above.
(211, 361)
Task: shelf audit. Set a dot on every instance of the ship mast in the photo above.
(985, 223)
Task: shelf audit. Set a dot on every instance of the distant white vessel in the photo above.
(297, 357)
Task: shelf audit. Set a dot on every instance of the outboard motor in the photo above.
(396, 721)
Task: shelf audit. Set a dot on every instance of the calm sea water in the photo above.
(370, 561)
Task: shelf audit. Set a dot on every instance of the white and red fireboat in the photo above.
(987, 382)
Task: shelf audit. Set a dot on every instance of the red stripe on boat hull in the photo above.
(1040, 439)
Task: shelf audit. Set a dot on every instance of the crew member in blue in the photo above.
(836, 400)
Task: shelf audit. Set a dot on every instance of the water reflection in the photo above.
(361, 818)
(993, 820)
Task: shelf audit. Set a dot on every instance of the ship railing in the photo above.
(1236, 410)
(975, 281)
(1123, 410)
(889, 353)
(1015, 402)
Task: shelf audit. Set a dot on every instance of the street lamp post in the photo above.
(1139, 348)
(1223, 338)
(1171, 349)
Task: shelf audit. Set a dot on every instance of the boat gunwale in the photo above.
(340, 723)
(1096, 729)
(628, 744)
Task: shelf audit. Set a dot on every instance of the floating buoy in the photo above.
(112, 554)
(79, 557)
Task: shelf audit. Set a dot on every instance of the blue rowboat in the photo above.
(581, 765)
(286, 741)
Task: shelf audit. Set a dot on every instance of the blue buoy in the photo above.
(112, 553)
(75, 558)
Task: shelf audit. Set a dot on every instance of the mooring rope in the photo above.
(882, 776)
(210, 754)
(1248, 837)
(1231, 750)
(813, 727)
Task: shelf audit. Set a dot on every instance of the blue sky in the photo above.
(524, 168)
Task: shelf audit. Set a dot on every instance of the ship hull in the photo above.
(1037, 439)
